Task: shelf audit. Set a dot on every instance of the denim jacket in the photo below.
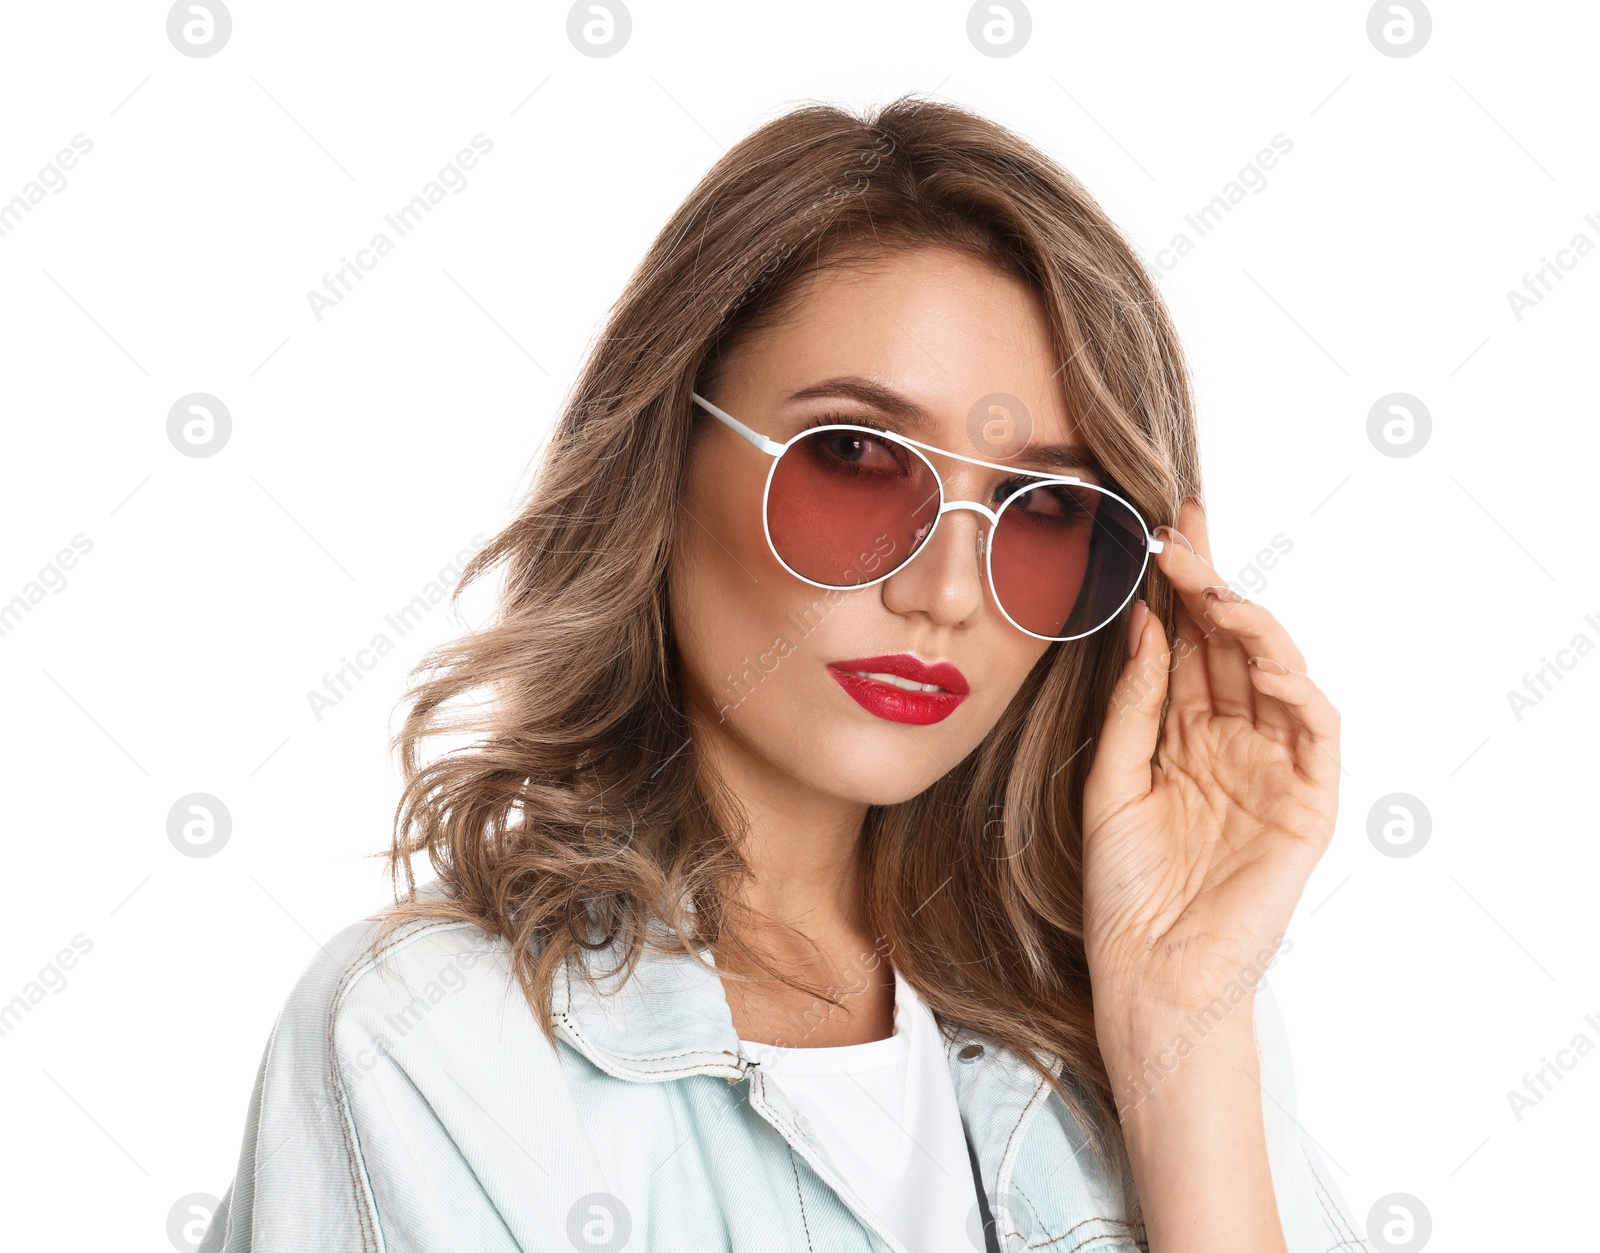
(410, 1104)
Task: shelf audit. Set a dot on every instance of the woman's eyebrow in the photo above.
(908, 413)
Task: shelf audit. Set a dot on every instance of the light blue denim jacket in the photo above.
(412, 1105)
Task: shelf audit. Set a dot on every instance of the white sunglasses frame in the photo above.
(775, 450)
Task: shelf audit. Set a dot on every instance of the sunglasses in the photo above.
(846, 506)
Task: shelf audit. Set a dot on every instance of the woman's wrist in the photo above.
(1177, 1056)
(1189, 1096)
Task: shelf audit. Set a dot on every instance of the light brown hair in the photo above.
(577, 812)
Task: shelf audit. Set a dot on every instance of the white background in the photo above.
(369, 447)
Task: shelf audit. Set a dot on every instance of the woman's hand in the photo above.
(1199, 837)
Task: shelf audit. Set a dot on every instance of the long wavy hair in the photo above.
(576, 811)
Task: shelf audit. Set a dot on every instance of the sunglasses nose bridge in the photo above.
(983, 532)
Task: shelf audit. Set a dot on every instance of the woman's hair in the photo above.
(576, 811)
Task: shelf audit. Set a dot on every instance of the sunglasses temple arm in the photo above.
(1154, 545)
(769, 446)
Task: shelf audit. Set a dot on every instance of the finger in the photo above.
(1187, 681)
(1121, 773)
(1231, 689)
(1191, 686)
(1257, 633)
(1253, 627)
(1317, 747)
(1227, 684)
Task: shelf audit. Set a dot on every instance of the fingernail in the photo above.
(1221, 591)
(1136, 621)
(1166, 534)
(1269, 666)
(1195, 500)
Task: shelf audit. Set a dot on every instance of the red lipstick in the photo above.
(867, 681)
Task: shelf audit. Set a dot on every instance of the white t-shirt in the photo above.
(886, 1111)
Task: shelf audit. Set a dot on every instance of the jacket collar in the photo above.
(668, 1019)
(671, 1017)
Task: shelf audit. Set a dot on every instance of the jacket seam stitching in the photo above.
(804, 1222)
(255, 1153)
(364, 1202)
(1097, 1218)
(1330, 1211)
(657, 1057)
(1322, 1204)
(355, 1162)
(1106, 1235)
(567, 1011)
(1007, 1163)
(844, 1189)
(578, 1034)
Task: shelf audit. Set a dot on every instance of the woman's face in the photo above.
(765, 658)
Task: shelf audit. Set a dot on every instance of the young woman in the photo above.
(871, 814)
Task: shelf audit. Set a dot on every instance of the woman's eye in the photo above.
(1052, 500)
(862, 450)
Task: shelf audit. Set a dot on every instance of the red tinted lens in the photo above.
(846, 506)
(1064, 558)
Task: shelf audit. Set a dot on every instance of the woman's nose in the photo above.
(945, 578)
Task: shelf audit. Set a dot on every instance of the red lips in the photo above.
(941, 674)
(896, 704)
